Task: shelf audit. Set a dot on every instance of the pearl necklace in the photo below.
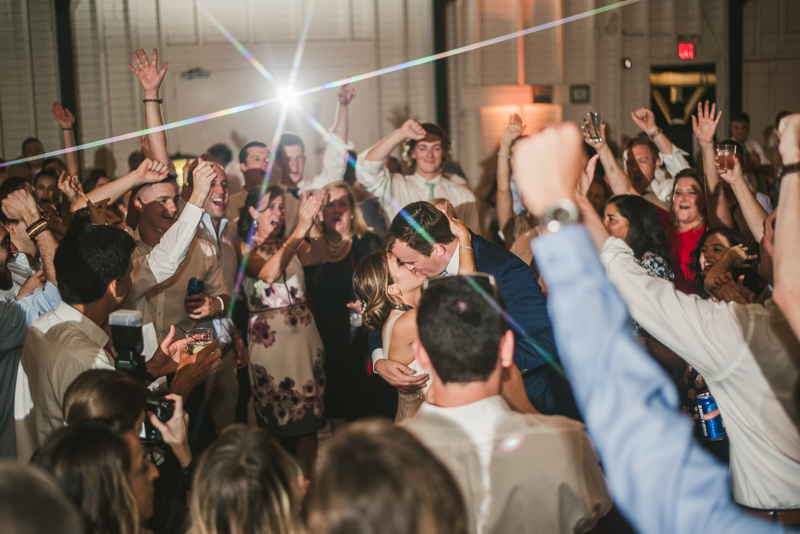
(335, 251)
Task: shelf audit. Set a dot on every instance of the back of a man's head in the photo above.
(220, 153)
(460, 328)
(90, 258)
(420, 225)
(32, 503)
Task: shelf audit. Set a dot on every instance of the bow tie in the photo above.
(295, 191)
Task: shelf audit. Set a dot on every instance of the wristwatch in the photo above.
(560, 213)
(788, 169)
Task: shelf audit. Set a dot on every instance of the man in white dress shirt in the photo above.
(427, 148)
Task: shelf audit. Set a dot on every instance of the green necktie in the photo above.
(430, 190)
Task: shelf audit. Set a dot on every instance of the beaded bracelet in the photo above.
(37, 228)
(159, 100)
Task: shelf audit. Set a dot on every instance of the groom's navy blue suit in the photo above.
(535, 349)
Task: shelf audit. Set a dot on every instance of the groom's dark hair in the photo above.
(419, 225)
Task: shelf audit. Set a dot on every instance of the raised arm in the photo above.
(505, 200)
(754, 214)
(410, 129)
(705, 127)
(151, 78)
(66, 120)
(271, 269)
(466, 254)
(20, 205)
(615, 177)
(148, 172)
(591, 219)
(646, 121)
(787, 246)
(342, 125)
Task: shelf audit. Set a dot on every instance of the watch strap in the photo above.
(788, 169)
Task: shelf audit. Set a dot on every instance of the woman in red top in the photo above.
(688, 212)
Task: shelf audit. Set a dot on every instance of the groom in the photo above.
(420, 238)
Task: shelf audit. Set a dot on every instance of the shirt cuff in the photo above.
(377, 354)
(192, 213)
(370, 168)
(339, 142)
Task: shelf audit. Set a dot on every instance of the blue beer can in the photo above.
(713, 430)
(195, 287)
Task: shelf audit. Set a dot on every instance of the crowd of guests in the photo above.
(540, 377)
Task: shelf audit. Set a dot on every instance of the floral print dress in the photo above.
(286, 353)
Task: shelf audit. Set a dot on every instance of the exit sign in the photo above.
(686, 50)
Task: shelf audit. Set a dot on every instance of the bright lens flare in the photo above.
(287, 97)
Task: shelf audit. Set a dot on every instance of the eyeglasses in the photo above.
(483, 283)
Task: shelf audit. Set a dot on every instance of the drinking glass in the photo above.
(592, 124)
(198, 338)
(725, 155)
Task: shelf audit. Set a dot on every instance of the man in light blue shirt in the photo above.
(18, 315)
(660, 478)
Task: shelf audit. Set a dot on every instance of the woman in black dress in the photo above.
(343, 240)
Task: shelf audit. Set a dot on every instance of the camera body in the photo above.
(126, 331)
(163, 410)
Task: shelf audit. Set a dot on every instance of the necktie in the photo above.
(430, 190)
(295, 191)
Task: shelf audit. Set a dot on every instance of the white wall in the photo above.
(346, 37)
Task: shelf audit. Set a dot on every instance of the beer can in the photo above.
(195, 287)
(713, 430)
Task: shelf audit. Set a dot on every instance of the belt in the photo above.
(782, 517)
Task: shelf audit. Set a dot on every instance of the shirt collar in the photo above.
(209, 224)
(452, 265)
(488, 408)
(422, 180)
(68, 314)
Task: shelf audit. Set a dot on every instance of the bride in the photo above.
(390, 293)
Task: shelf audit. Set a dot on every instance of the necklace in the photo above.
(336, 250)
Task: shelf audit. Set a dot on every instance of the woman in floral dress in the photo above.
(286, 351)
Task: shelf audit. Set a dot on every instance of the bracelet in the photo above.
(221, 306)
(788, 169)
(466, 246)
(655, 134)
(290, 248)
(499, 155)
(37, 228)
(159, 100)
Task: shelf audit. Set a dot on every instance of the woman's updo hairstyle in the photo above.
(371, 279)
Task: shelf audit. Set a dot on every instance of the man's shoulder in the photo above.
(492, 258)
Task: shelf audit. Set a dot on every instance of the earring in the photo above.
(255, 223)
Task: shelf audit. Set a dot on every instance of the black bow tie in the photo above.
(295, 191)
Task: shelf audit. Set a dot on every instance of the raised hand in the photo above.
(514, 129)
(97, 212)
(587, 176)
(730, 175)
(738, 255)
(63, 116)
(549, 165)
(148, 73)
(789, 131)
(597, 145)
(309, 208)
(70, 186)
(644, 119)
(460, 230)
(202, 177)
(152, 171)
(413, 130)
(704, 124)
(346, 95)
(21, 206)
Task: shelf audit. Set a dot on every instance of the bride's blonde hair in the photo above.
(371, 281)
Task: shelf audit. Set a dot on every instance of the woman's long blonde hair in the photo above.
(358, 227)
(371, 280)
(246, 484)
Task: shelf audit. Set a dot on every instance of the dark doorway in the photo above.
(675, 91)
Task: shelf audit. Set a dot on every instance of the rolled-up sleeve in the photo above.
(334, 162)
(676, 161)
(166, 257)
(373, 175)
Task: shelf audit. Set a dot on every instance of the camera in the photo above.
(163, 410)
(126, 332)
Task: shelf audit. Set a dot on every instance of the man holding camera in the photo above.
(96, 273)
